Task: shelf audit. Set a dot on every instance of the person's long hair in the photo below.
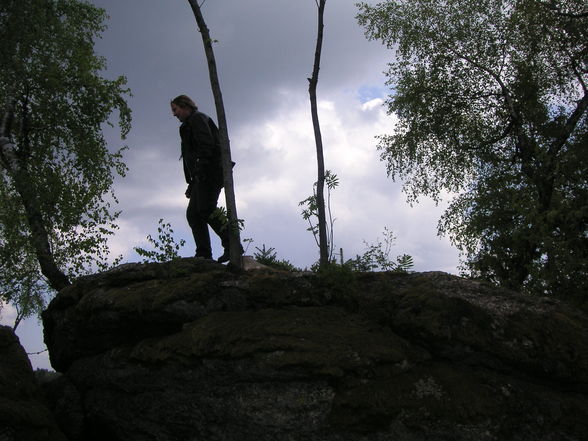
(184, 101)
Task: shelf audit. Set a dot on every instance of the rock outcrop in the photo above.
(188, 351)
(23, 414)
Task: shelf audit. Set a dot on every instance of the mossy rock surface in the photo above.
(188, 350)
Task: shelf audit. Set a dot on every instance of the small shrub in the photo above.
(377, 257)
(166, 248)
(268, 257)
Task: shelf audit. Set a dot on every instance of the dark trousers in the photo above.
(203, 203)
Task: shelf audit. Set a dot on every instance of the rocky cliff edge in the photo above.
(188, 351)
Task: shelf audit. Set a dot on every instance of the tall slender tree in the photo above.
(234, 233)
(320, 183)
(56, 172)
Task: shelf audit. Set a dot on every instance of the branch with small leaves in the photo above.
(311, 215)
(165, 246)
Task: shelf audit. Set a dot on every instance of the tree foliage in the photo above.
(491, 102)
(165, 247)
(56, 172)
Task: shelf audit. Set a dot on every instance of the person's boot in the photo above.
(226, 256)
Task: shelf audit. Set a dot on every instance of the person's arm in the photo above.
(203, 137)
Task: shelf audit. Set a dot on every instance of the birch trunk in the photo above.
(320, 186)
(234, 234)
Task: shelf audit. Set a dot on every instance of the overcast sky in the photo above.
(264, 53)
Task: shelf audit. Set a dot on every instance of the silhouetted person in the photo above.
(203, 171)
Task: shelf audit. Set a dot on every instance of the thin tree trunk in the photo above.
(39, 235)
(234, 235)
(56, 278)
(320, 185)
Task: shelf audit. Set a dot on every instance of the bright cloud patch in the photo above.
(277, 167)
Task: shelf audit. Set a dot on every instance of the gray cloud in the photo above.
(264, 53)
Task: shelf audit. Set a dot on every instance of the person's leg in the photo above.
(219, 223)
(221, 228)
(197, 214)
(205, 197)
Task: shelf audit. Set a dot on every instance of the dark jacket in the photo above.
(201, 150)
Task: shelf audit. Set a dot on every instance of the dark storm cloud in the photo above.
(264, 53)
(262, 45)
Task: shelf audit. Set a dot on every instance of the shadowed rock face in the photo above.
(189, 351)
(23, 415)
